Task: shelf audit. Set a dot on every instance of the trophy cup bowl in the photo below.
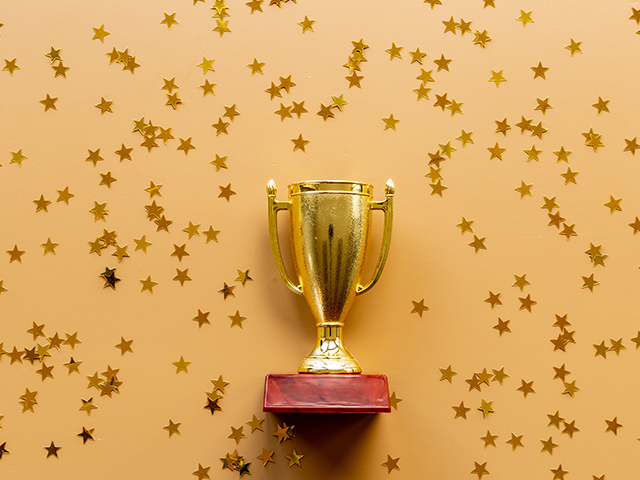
(330, 223)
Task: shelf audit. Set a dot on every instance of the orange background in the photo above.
(429, 257)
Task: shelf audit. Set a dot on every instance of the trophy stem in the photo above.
(329, 354)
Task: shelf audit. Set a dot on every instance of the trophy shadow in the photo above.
(334, 438)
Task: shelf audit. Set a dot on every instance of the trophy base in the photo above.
(326, 393)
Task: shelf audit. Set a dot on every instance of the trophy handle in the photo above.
(387, 207)
(274, 207)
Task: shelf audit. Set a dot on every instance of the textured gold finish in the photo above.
(330, 222)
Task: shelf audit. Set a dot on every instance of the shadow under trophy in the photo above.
(330, 224)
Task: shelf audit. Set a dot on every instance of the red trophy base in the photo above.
(326, 393)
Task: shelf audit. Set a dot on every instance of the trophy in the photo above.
(330, 222)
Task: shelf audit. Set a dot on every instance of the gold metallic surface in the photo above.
(330, 222)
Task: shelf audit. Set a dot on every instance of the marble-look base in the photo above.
(326, 393)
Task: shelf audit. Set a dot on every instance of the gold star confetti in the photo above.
(613, 204)
(539, 71)
(266, 457)
(237, 319)
(391, 464)
(42, 204)
(526, 388)
(496, 151)
(148, 284)
(49, 103)
(227, 290)
(543, 105)
(181, 365)
(486, 408)
(525, 17)
(394, 51)
(601, 105)
(502, 326)
(49, 246)
(461, 410)
(294, 459)
(104, 106)
(226, 192)
(206, 65)
(480, 468)
(10, 66)
(489, 440)
(394, 400)
(613, 426)
(419, 307)
(169, 19)
(524, 190)
(17, 157)
(496, 77)
(574, 47)
(87, 406)
(172, 428)
(416, 57)
(465, 138)
(124, 346)
(256, 424)
(236, 434)
(185, 145)
(99, 33)
(52, 450)
(447, 374)
(306, 24)
(481, 38)
(632, 145)
(589, 282)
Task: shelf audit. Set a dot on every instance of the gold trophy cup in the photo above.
(330, 222)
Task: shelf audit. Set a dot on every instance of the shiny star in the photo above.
(480, 468)
(236, 319)
(461, 411)
(539, 71)
(206, 65)
(148, 284)
(515, 441)
(266, 457)
(489, 440)
(99, 33)
(49, 103)
(613, 426)
(574, 47)
(17, 157)
(481, 38)
(448, 373)
(419, 307)
(227, 291)
(172, 428)
(613, 204)
(563, 155)
(416, 57)
(10, 66)
(391, 464)
(169, 20)
(306, 24)
(632, 145)
(589, 282)
(125, 346)
(601, 105)
(52, 450)
(185, 145)
(226, 192)
(49, 246)
(526, 388)
(524, 190)
(525, 17)
(502, 326)
(496, 151)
